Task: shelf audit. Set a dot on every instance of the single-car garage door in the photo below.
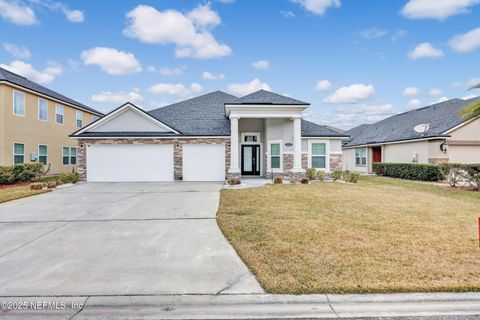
(129, 162)
(203, 162)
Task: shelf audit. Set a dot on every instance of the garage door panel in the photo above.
(203, 162)
(123, 163)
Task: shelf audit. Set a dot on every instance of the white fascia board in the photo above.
(394, 142)
(461, 125)
(262, 108)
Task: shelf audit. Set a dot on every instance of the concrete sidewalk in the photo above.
(251, 306)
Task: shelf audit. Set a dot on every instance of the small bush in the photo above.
(321, 175)
(20, 173)
(337, 175)
(456, 172)
(278, 180)
(305, 180)
(409, 171)
(310, 173)
(233, 181)
(51, 184)
(350, 177)
(36, 186)
(69, 178)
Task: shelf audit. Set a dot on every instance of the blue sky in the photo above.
(355, 61)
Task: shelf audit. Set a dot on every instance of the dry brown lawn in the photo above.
(380, 235)
(12, 193)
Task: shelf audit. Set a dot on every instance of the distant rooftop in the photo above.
(267, 97)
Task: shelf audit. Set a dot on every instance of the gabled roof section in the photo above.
(199, 116)
(267, 97)
(310, 129)
(441, 117)
(23, 82)
(126, 120)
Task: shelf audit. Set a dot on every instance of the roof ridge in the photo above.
(193, 98)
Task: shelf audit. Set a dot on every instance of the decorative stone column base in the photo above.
(296, 176)
(234, 178)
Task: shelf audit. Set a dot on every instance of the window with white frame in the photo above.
(95, 118)
(18, 153)
(275, 154)
(69, 156)
(361, 157)
(18, 103)
(250, 137)
(42, 109)
(318, 155)
(43, 154)
(59, 113)
(79, 117)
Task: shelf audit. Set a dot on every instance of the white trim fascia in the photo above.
(48, 97)
(394, 142)
(331, 138)
(120, 110)
(461, 125)
(154, 137)
(256, 108)
(327, 154)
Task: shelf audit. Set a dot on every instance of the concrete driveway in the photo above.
(119, 239)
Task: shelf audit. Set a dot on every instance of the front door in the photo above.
(377, 154)
(250, 160)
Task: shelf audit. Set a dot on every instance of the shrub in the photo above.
(321, 175)
(51, 184)
(36, 186)
(457, 172)
(409, 171)
(305, 180)
(310, 173)
(19, 173)
(69, 178)
(337, 175)
(350, 177)
(233, 181)
(278, 180)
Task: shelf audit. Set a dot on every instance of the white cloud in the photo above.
(318, 7)
(425, 50)
(411, 91)
(442, 99)
(17, 13)
(467, 84)
(466, 42)
(399, 34)
(175, 89)
(75, 16)
(227, 1)
(242, 89)
(118, 97)
(323, 85)
(373, 33)
(436, 9)
(366, 109)
(187, 32)
(45, 76)
(469, 96)
(167, 71)
(414, 104)
(287, 14)
(112, 61)
(351, 94)
(435, 92)
(17, 52)
(261, 64)
(210, 76)
(73, 64)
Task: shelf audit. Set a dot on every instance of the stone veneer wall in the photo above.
(336, 162)
(177, 153)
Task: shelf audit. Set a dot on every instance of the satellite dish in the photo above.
(422, 128)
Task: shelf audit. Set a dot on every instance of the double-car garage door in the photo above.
(154, 162)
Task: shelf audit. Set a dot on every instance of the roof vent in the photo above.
(422, 128)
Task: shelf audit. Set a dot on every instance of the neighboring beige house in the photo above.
(208, 138)
(431, 134)
(35, 124)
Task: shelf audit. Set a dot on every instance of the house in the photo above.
(208, 138)
(35, 123)
(432, 134)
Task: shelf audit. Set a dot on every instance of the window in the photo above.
(79, 117)
(361, 157)
(18, 153)
(59, 113)
(250, 137)
(94, 118)
(319, 155)
(18, 103)
(42, 109)
(69, 156)
(42, 154)
(275, 156)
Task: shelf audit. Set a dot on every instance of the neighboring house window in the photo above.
(18, 153)
(69, 156)
(59, 114)
(18, 103)
(319, 155)
(79, 117)
(42, 109)
(361, 157)
(275, 156)
(43, 154)
(94, 118)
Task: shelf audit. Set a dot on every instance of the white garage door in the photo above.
(203, 162)
(129, 162)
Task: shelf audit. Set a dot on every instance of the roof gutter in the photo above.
(395, 142)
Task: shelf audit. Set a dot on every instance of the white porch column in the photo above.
(234, 168)
(297, 145)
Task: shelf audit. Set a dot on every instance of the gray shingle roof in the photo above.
(440, 117)
(310, 129)
(18, 80)
(119, 134)
(266, 97)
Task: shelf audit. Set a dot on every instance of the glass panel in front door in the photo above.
(247, 158)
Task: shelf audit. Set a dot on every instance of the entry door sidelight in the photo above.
(251, 160)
